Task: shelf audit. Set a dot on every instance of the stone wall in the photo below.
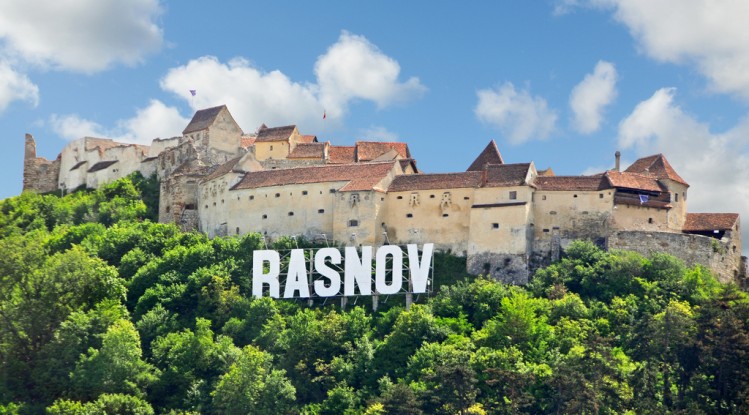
(717, 255)
(39, 174)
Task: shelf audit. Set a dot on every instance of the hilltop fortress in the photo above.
(507, 219)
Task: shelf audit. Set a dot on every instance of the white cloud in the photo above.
(517, 114)
(710, 34)
(377, 133)
(155, 120)
(80, 35)
(351, 69)
(354, 68)
(591, 96)
(15, 86)
(712, 163)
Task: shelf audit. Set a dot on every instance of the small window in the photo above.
(546, 230)
(320, 210)
(553, 212)
(444, 215)
(650, 220)
(495, 226)
(265, 216)
(409, 215)
(252, 197)
(513, 195)
(600, 195)
(168, 208)
(574, 195)
(304, 193)
(353, 222)
(278, 194)
(271, 148)
(237, 230)
(543, 197)
(431, 196)
(332, 190)
(214, 203)
(676, 197)
(206, 206)
(399, 197)
(291, 213)
(466, 198)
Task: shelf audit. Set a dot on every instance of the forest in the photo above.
(105, 311)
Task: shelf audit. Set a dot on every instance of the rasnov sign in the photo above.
(314, 277)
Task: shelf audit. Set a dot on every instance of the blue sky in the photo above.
(562, 83)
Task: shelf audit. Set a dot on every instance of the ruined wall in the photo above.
(179, 196)
(717, 255)
(39, 174)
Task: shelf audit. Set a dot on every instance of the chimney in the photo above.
(618, 157)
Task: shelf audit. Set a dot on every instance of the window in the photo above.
(168, 208)
(600, 195)
(446, 200)
(332, 190)
(252, 197)
(495, 226)
(265, 216)
(237, 230)
(466, 197)
(271, 148)
(291, 213)
(650, 220)
(399, 197)
(574, 195)
(409, 215)
(431, 196)
(676, 197)
(543, 197)
(354, 199)
(513, 195)
(278, 194)
(553, 212)
(320, 210)
(444, 215)
(353, 222)
(304, 193)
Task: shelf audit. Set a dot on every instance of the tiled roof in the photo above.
(710, 221)
(359, 176)
(570, 183)
(632, 181)
(656, 166)
(247, 141)
(341, 154)
(308, 151)
(308, 139)
(370, 150)
(101, 165)
(203, 119)
(223, 169)
(410, 182)
(500, 175)
(408, 162)
(490, 155)
(274, 134)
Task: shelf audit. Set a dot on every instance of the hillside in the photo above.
(103, 311)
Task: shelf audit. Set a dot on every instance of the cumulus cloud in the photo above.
(711, 35)
(155, 120)
(711, 162)
(377, 133)
(351, 69)
(517, 114)
(82, 35)
(354, 68)
(16, 87)
(590, 97)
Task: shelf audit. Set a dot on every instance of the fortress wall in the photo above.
(720, 256)
(441, 216)
(639, 218)
(357, 218)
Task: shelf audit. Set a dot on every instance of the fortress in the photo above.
(507, 219)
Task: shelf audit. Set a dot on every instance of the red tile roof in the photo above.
(490, 155)
(501, 175)
(203, 119)
(274, 134)
(632, 181)
(358, 176)
(656, 166)
(370, 150)
(570, 183)
(308, 151)
(101, 165)
(308, 139)
(411, 182)
(710, 221)
(247, 141)
(341, 154)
